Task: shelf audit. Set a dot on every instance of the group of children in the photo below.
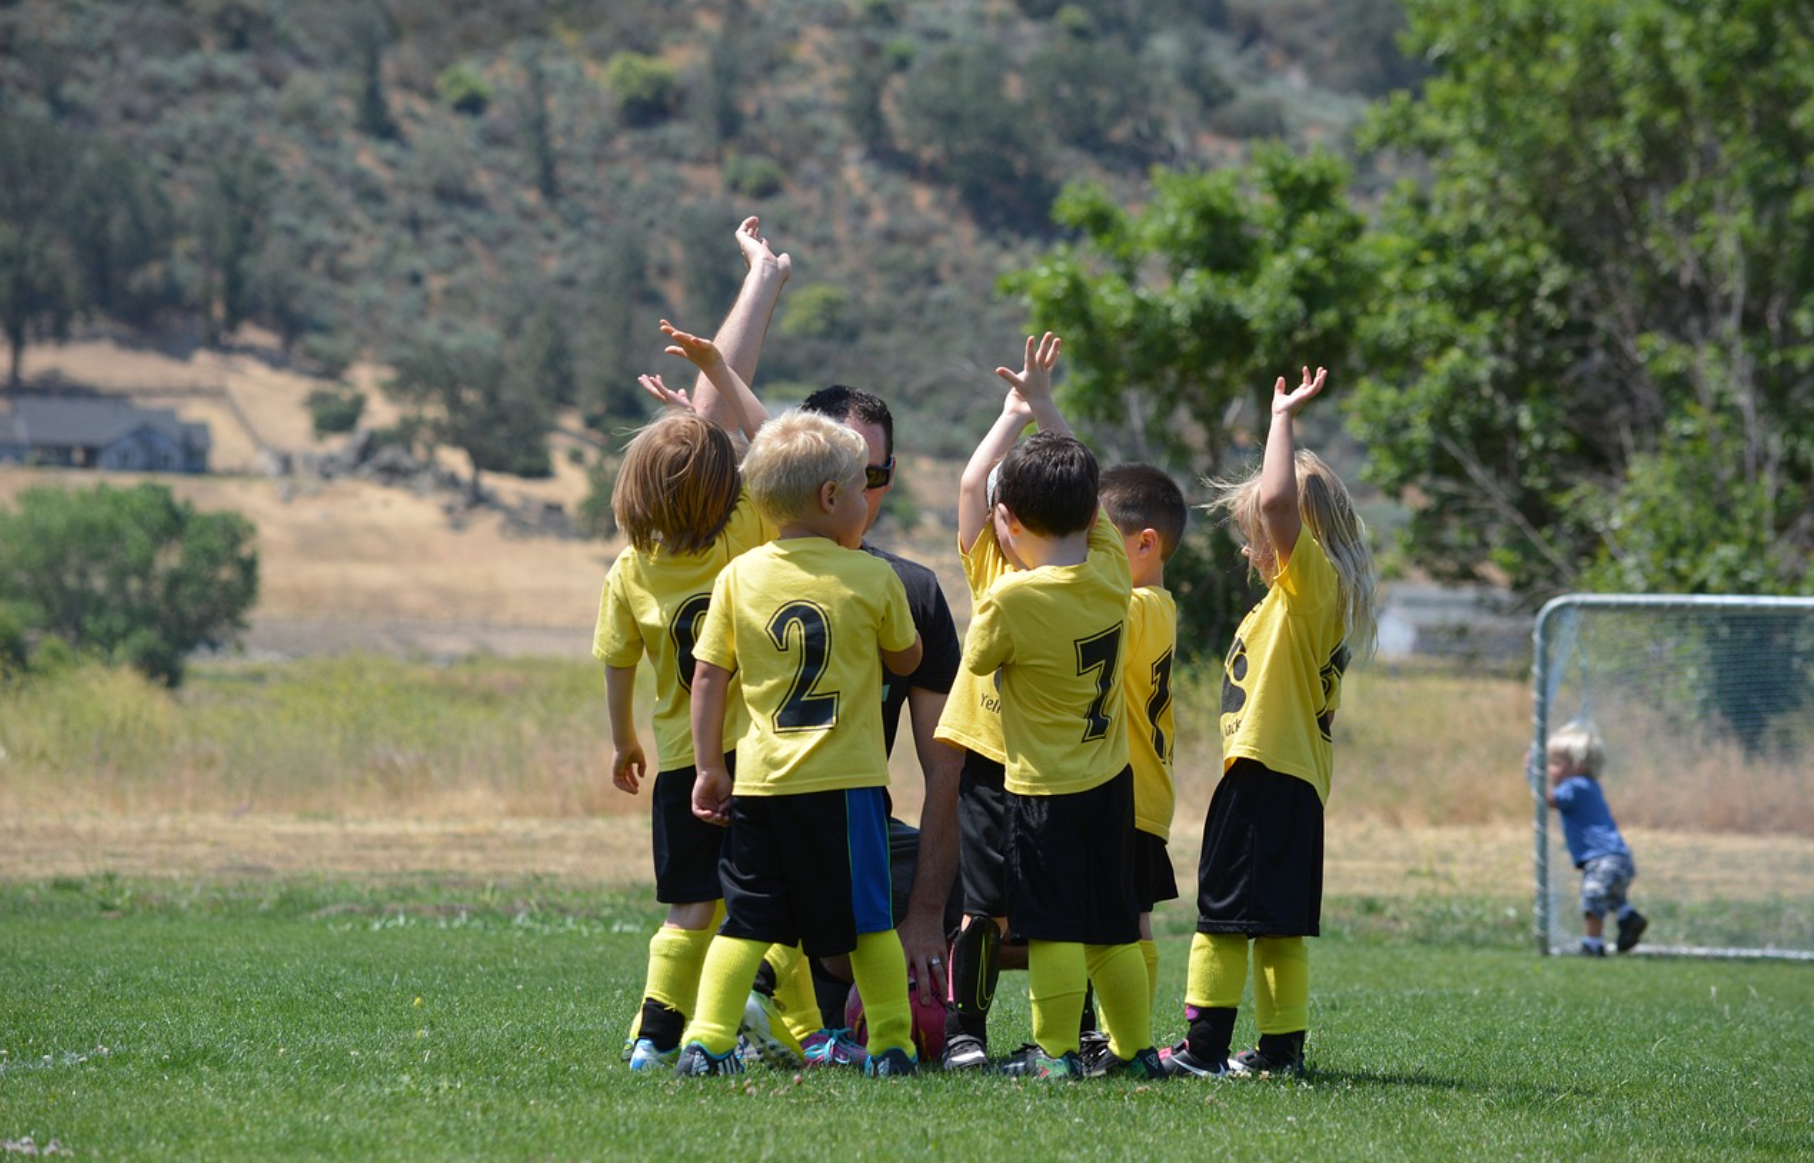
(743, 585)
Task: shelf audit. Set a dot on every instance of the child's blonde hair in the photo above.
(1579, 744)
(793, 455)
(1328, 514)
(677, 486)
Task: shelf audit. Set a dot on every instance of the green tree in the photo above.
(1180, 313)
(957, 115)
(1596, 321)
(538, 132)
(462, 382)
(133, 575)
(41, 284)
(1178, 318)
(231, 222)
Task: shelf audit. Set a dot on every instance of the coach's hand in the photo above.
(923, 941)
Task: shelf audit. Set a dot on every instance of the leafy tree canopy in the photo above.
(133, 575)
(1594, 338)
(1178, 317)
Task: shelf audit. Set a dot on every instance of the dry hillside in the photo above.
(352, 564)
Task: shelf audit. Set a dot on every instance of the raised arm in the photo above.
(973, 486)
(741, 335)
(1278, 467)
(732, 403)
(1034, 382)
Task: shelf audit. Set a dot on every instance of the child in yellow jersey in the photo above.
(798, 623)
(1053, 631)
(1148, 510)
(680, 502)
(1260, 876)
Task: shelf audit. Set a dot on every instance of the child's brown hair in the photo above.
(677, 486)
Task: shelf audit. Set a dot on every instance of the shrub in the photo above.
(647, 88)
(134, 576)
(754, 177)
(335, 410)
(465, 89)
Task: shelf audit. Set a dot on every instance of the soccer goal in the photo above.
(1706, 705)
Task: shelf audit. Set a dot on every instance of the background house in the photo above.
(100, 432)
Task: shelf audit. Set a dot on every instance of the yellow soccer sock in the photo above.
(724, 985)
(794, 994)
(1056, 975)
(1218, 971)
(1119, 974)
(1281, 984)
(1149, 952)
(675, 959)
(880, 968)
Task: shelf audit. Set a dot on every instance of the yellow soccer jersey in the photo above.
(654, 603)
(1282, 681)
(1056, 633)
(800, 620)
(1152, 637)
(972, 715)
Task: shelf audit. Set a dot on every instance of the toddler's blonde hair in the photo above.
(1328, 514)
(1579, 743)
(793, 455)
(677, 486)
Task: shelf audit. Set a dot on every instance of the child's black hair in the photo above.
(1049, 483)
(1143, 496)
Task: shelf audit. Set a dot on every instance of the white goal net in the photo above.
(1706, 705)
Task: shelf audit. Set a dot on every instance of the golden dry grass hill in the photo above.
(349, 563)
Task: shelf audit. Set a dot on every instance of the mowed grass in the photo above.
(418, 1019)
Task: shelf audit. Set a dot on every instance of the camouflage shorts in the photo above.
(1604, 880)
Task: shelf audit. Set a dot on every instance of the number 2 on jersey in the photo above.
(804, 709)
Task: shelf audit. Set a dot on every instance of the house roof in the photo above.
(90, 421)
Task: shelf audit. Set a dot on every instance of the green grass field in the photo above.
(422, 1019)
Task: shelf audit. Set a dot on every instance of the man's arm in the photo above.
(922, 931)
(741, 335)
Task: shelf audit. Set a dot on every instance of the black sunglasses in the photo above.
(877, 476)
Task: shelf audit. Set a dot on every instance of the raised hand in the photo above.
(700, 352)
(1034, 379)
(1290, 403)
(756, 251)
(665, 395)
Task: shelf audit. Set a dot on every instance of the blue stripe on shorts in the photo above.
(871, 895)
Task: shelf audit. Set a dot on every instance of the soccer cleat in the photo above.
(1594, 949)
(1145, 1065)
(1630, 929)
(890, 1063)
(1259, 1064)
(644, 1056)
(965, 1052)
(1032, 1062)
(1178, 1062)
(696, 1061)
(1093, 1049)
(764, 1037)
(629, 1047)
(833, 1048)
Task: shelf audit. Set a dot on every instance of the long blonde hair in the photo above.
(1328, 514)
(677, 486)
